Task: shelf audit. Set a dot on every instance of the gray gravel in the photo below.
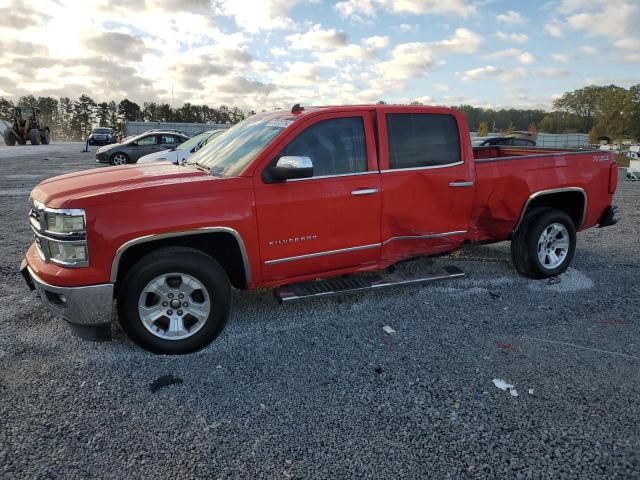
(317, 390)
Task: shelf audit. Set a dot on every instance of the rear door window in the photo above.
(422, 140)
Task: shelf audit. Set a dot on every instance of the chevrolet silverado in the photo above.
(310, 201)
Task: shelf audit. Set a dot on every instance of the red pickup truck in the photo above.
(288, 198)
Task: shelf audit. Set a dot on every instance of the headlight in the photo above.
(66, 222)
(67, 253)
(60, 234)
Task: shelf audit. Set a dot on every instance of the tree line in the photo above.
(608, 111)
(73, 119)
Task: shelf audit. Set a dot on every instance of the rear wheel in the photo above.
(176, 300)
(9, 138)
(46, 137)
(544, 245)
(119, 158)
(34, 136)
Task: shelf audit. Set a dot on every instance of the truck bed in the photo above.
(498, 152)
(507, 177)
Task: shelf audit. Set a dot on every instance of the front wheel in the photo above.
(174, 301)
(46, 137)
(9, 138)
(544, 245)
(119, 159)
(34, 136)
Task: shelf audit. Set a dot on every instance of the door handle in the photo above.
(461, 184)
(365, 191)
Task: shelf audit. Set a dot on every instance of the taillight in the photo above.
(613, 177)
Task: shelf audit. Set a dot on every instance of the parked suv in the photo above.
(131, 149)
(101, 136)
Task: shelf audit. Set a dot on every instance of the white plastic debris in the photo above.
(388, 330)
(501, 384)
(531, 391)
(504, 386)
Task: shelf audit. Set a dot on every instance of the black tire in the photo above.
(525, 243)
(9, 138)
(46, 137)
(185, 261)
(34, 136)
(118, 157)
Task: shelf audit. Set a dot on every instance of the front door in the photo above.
(332, 220)
(427, 185)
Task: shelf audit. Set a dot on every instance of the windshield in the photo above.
(193, 141)
(228, 154)
(101, 130)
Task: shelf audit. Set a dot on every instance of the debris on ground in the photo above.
(164, 381)
(388, 330)
(531, 391)
(504, 386)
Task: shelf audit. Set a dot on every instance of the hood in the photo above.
(106, 148)
(101, 184)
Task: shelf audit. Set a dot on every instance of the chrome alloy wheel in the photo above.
(553, 246)
(174, 306)
(119, 159)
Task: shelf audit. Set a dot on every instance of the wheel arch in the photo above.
(571, 200)
(221, 243)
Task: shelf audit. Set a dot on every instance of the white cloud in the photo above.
(552, 72)
(511, 17)
(254, 16)
(463, 41)
(560, 57)
(408, 60)
(588, 49)
(357, 8)
(554, 28)
(376, 41)
(523, 57)
(317, 38)
(512, 37)
(490, 71)
(279, 52)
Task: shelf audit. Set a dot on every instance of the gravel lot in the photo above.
(317, 390)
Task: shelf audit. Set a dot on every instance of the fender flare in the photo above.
(115, 263)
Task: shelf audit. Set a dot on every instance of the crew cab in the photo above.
(291, 198)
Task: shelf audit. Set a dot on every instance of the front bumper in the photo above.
(87, 309)
(102, 157)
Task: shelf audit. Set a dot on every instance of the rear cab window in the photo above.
(422, 140)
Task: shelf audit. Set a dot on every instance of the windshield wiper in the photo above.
(217, 171)
(202, 168)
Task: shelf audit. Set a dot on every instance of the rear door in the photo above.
(332, 220)
(427, 185)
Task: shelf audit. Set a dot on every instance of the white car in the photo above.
(183, 151)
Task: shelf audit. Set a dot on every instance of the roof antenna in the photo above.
(297, 108)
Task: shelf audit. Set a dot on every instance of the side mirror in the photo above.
(292, 167)
(135, 144)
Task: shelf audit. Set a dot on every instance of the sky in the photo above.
(265, 54)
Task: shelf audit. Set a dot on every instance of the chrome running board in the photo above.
(356, 284)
